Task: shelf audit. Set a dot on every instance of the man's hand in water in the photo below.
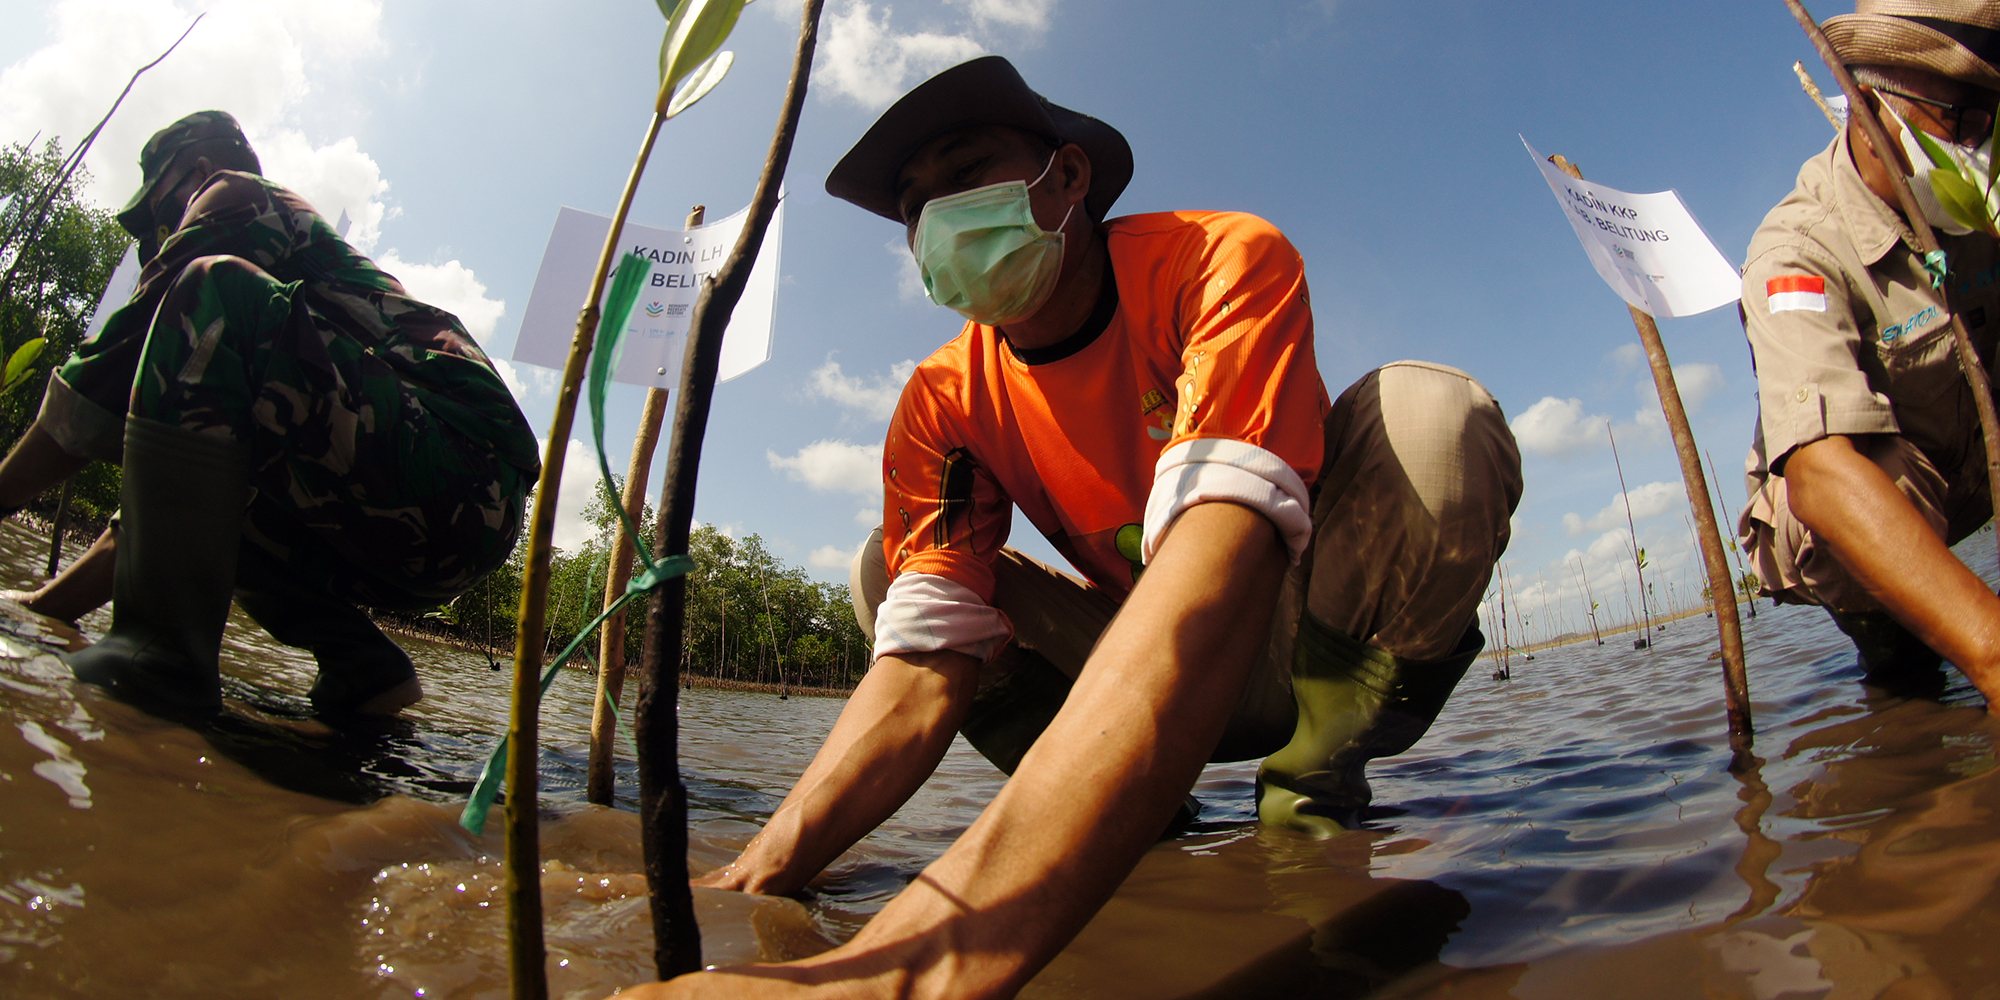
(1088, 800)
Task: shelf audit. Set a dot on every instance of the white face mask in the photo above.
(983, 255)
(1973, 163)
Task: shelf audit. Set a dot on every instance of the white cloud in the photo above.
(1028, 15)
(1648, 501)
(1628, 356)
(909, 277)
(873, 397)
(1697, 382)
(450, 286)
(866, 61)
(1557, 427)
(833, 557)
(868, 517)
(834, 467)
(334, 178)
(580, 476)
(249, 58)
(453, 287)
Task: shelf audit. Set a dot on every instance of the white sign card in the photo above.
(656, 334)
(118, 291)
(1647, 247)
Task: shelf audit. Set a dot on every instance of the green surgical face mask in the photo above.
(983, 256)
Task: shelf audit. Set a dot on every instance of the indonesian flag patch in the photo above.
(1787, 292)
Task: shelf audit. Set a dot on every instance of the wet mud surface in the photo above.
(1573, 832)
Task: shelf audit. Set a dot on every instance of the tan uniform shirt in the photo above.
(1846, 332)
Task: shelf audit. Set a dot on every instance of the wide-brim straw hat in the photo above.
(985, 91)
(1959, 39)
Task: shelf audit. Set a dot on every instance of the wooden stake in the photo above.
(602, 780)
(662, 799)
(1812, 91)
(1729, 628)
(1859, 110)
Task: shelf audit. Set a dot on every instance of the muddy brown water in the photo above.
(1574, 832)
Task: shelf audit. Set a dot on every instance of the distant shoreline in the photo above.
(1571, 638)
(687, 679)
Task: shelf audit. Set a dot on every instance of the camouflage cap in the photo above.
(202, 126)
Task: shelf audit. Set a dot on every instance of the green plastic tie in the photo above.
(625, 286)
(1934, 263)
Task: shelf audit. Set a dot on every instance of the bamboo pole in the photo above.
(1590, 600)
(527, 976)
(601, 781)
(32, 217)
(1729, 628)
(1812, 90)
(1859, 110)
(662, 798)
(1638, 564)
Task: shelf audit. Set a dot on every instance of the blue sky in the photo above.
(1382, 138)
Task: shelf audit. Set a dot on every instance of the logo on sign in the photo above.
(654, 309)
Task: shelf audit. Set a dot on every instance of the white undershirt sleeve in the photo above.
(1211, 469)
(923, 613)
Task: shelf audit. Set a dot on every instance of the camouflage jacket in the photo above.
(276, 230)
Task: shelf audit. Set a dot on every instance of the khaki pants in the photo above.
(1797, 568)
(1409, 515)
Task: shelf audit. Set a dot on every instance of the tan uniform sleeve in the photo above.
(1810, 383)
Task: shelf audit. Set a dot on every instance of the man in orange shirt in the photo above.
(1266, 574)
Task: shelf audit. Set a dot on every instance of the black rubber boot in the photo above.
(1356, 702)
(182, 500)
(356, 661)
(1892, 658)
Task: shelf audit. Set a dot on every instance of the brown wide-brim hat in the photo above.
(1959, 39)
(985, 91)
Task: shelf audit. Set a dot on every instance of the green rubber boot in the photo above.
(182, 500)
(356, 661)
(1356, 703)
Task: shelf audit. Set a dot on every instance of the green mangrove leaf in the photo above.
(1961, 200)
(668, 8)
(1939, 157)
(22, 363)
(703, 80)
(695, 32)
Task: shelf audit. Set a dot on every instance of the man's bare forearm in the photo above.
(888, 740)
(1089, 798)
(1881, 538)
(36, 463)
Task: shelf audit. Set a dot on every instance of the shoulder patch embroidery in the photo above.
(1788, 292)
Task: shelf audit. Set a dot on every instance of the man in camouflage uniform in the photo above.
(293, 427)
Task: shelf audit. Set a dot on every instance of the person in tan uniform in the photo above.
(1266, 573)
(1867, 462)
